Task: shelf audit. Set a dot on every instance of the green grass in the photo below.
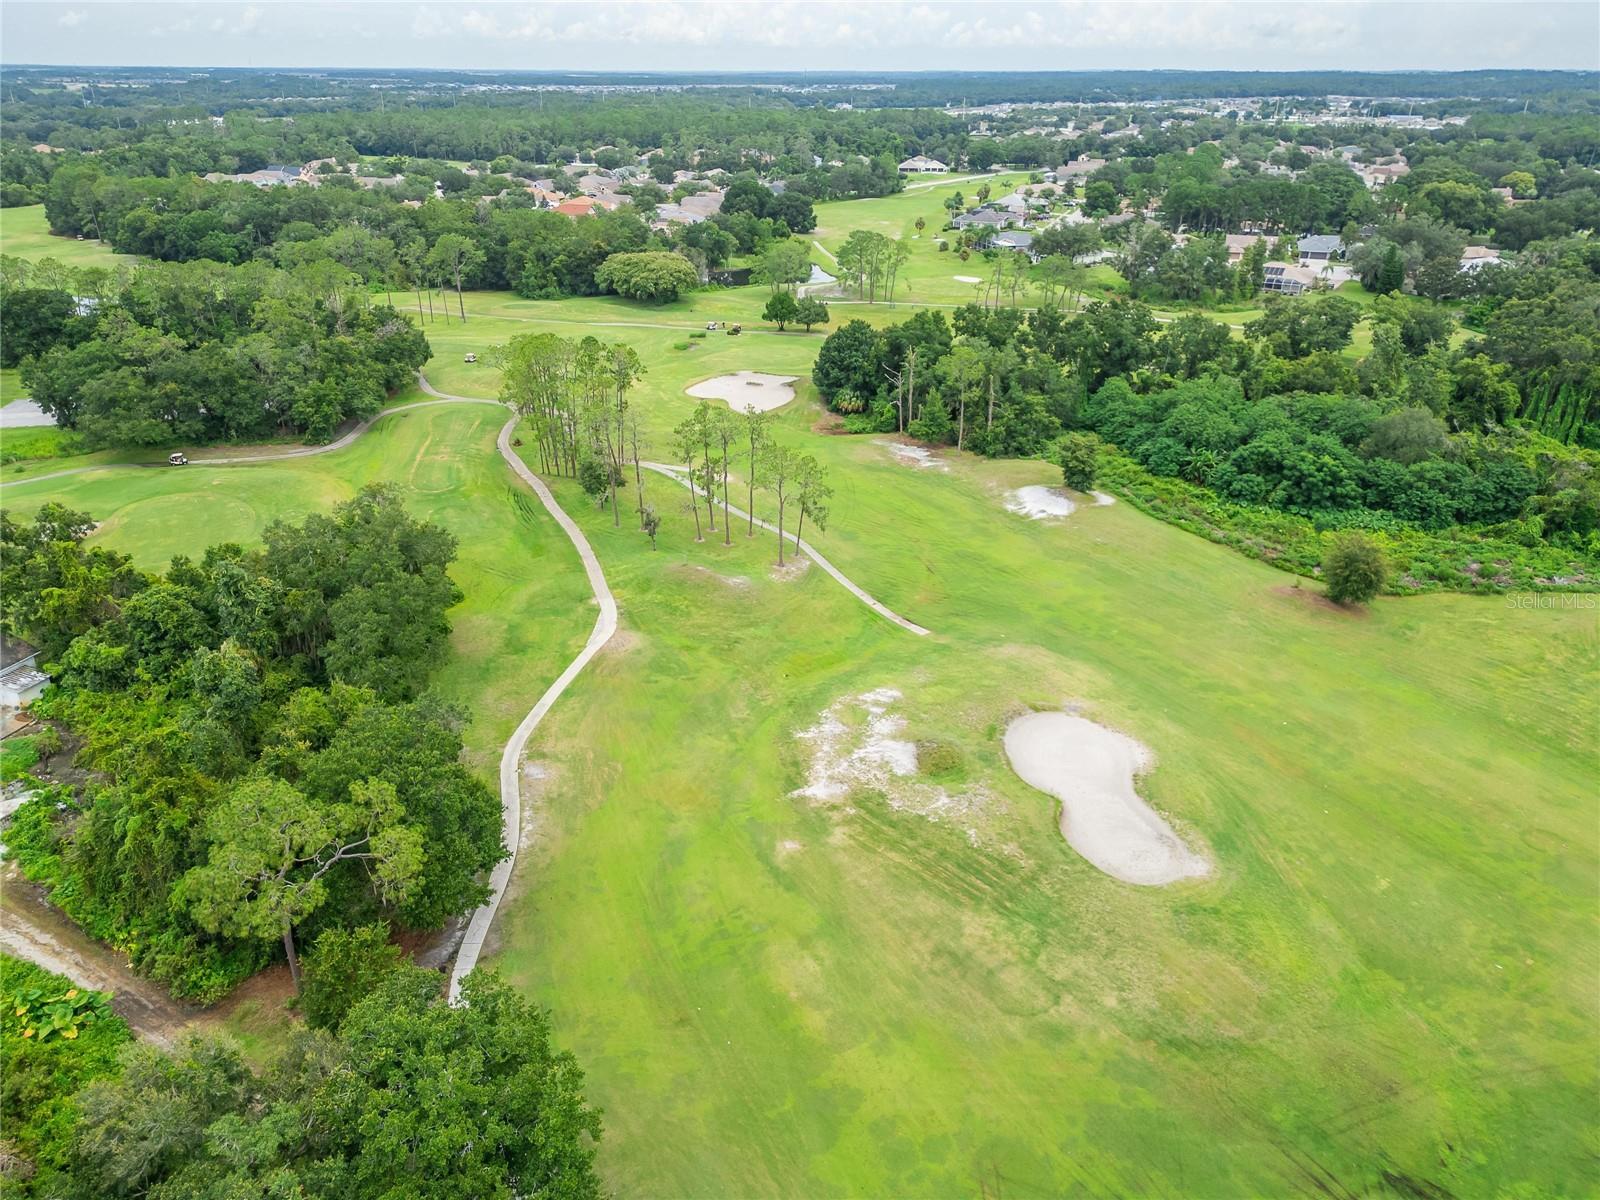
(24, 233)
(11, 386)
(1382, 966)
(17, 757)
(1390, 971)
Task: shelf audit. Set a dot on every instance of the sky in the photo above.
(862, 35)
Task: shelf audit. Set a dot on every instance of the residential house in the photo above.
(577, 206)
(1238, 243)
(1318, 248)
(921, 164)
(273, 175)
(21, 680)
(667, 214)
(983, 219)
(1078, 168)
(1475, 258)
(703, 204)
(1014, 239)
(1383, 174)
(1289, 280)
(311, 173)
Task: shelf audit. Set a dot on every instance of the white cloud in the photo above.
(860, 35)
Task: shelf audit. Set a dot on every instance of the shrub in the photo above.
(652, 275)
(342, 967)
(940, 760)
(1353, 568)
(1079, 456)
(75, 1038)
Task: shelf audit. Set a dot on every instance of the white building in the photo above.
(921, 164)
(21, 680)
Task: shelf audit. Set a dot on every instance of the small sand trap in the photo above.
(966, 279)
(1091, 770)
(747, 389)
(1101, 499)
(916, 456)
(1037, 503)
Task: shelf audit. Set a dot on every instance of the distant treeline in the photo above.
(357, 88)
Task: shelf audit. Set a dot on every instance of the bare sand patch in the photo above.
(1038, 502)
(857, 744)
(1103, 499)
(1091, 770)
(747, 389)
(966, 279)
(793, 567)
(24, 414)
(732, 581)
(916, 456)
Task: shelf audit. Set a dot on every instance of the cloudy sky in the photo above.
(874, 35)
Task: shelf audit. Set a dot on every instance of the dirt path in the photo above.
(860, 593)
(511, 758)
(33, 930)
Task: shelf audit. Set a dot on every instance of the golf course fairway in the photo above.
(923, 990)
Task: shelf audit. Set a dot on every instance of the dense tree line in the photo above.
(262, 758)
(202, 352)
(494, 236)
(1413, 432)
(390, 1091)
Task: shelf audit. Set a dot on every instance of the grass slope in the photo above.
(24, 233)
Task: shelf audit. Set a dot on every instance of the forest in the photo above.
(202, 352)
(265, 766)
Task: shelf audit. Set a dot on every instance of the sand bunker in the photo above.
(966, 279)
(1091, 770)
(23, 414)
(1036, 503)
(1101, 499)
(747, 389)
(916, 456)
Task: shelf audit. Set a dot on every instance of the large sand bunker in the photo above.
(747, 389)
(1091, 770)
(1038, 502)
